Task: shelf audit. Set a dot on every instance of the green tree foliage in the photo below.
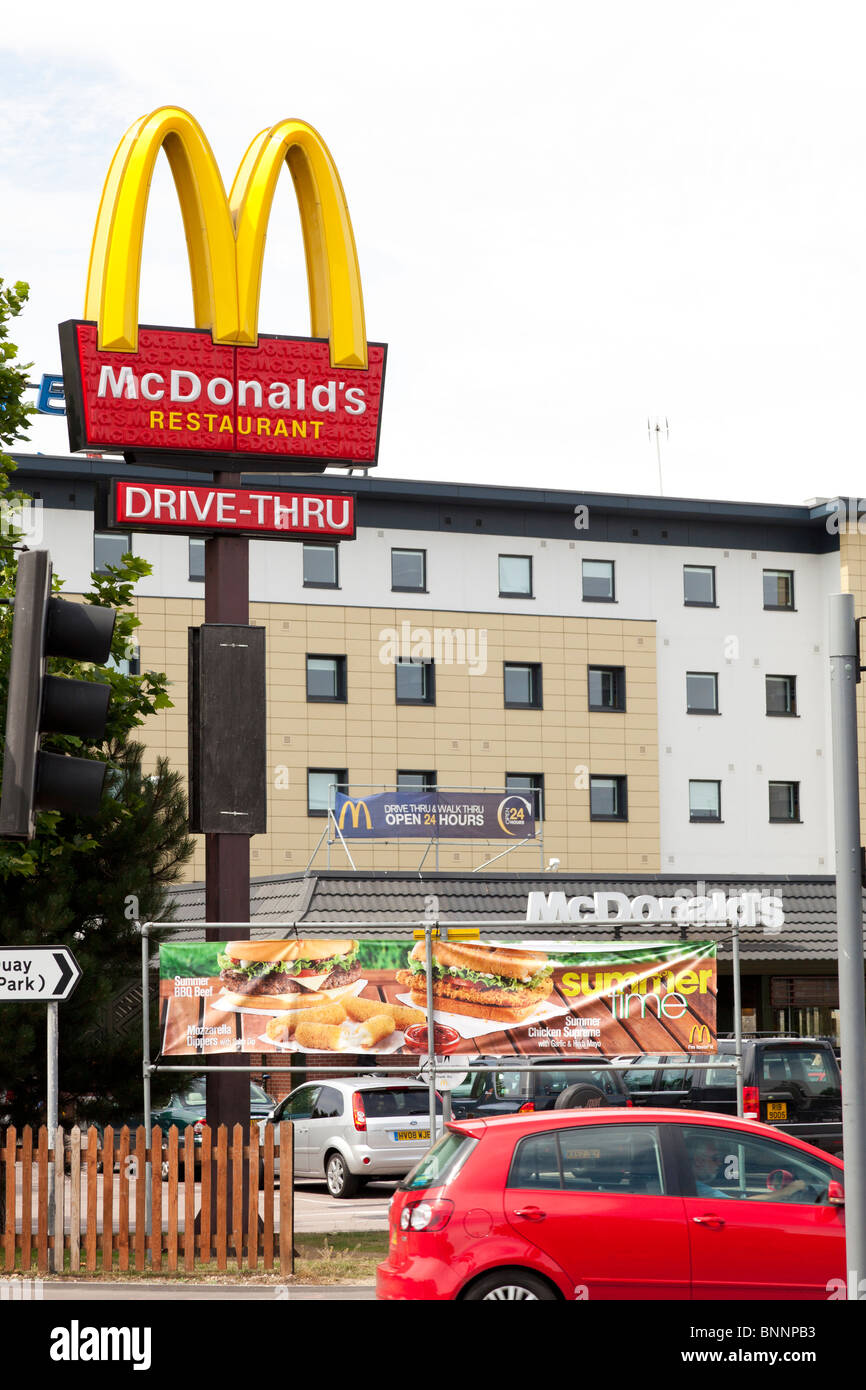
(83, 883)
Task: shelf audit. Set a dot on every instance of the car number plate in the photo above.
(412, 1134)
(777, 1110)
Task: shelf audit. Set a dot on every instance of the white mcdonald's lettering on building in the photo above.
(177, 505)
(747, 909)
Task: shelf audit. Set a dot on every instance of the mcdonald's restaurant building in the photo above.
(653, 672)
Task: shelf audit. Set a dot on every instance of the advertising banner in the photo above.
(432, 815)
(172, 507)
(369, 998)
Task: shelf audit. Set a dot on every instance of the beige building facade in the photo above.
(467, 737)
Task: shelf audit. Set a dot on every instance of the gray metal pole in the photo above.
(431, 1048)
(145, 1081)
(852, 1003)
(51, 1107)
(738, 1018)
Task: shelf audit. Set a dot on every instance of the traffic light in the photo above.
(44, 626)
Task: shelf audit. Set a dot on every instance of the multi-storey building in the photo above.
(653, 670)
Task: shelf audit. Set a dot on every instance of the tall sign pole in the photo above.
(844, 675)
(227, 856)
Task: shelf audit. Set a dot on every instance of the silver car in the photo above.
(351, 1129)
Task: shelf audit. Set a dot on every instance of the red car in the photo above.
(617, 1204)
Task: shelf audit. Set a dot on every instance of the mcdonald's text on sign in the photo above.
(171, 507)
(280, 401)
(222, 389)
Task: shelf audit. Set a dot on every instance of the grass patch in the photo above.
(320, 1258)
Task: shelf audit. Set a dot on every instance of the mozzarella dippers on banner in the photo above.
(323, 995)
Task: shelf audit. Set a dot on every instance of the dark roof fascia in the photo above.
(468, 494)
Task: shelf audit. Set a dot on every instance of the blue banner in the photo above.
(431, 815)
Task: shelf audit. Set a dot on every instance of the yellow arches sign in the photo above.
(337, 396)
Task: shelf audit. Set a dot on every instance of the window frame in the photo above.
(619, 707)
(341, 784)
(535, 790)
(706, 782)
(536, 700)
(778, 607)
(515, 593)
(427, 699)
(797, 818)
(697, 602)
(112, 536)
(409, 588)
(791, 713)
(690, 709)
(197, 541)
(341, 679)
(429, 784)
(597, 598)
(622, 795)
(320, 583)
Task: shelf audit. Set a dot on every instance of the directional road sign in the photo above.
(37, 972)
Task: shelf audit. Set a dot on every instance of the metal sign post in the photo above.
(844, 675)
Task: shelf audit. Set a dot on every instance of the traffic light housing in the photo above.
(38, 704)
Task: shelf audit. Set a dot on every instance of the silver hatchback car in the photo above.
(351, 1129)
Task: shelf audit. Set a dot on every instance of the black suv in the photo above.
(551, 1083)
(790, 1083)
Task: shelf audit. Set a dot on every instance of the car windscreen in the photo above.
(812, 1070)
(397, 1101)
(441, 1163)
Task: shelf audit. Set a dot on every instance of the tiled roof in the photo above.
(390, 903)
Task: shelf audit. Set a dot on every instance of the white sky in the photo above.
(569, 217)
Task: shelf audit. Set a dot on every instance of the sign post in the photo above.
(31, 975)
(844, 675)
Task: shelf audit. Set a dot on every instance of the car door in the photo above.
(759, 1220)
(325, 1120)
(598, 1200)
(298, 1107)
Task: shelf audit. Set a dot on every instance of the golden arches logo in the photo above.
(226, 235)
(699, 1035)
(355, 808)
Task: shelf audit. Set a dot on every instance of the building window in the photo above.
(320, 780)
(702, 692)
(416, 781)
(109, 548)
(699, 586)
(778, 588)
(320, 567)
(515, 576)
(784, 801)
(326, 678)
(607, 798)
(196, 559)
(598, 586)
(414, 682)
(781, 695)
(530, 784)
(522, 685)
(606, 687)
(409, 571)
(705, 801)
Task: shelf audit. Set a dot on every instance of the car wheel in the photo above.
(341, 1182)
(510, 1285)
(580, 1097)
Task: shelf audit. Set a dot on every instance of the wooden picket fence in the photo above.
(88, 1200)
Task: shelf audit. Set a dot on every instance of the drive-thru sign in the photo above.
(31, 973)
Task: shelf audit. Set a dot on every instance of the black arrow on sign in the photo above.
(66, 971)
